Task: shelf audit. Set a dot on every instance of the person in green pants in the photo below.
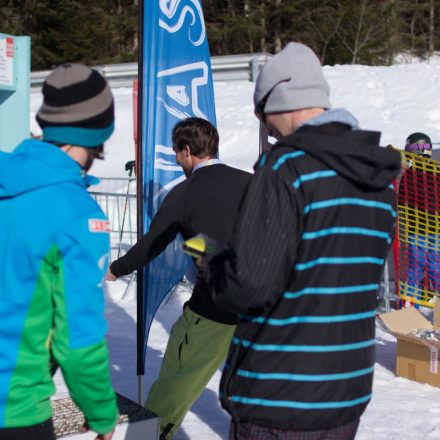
(206, 202)
(195, 350)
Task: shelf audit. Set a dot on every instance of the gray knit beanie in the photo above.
(291, 80)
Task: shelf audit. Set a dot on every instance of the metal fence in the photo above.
(117, 198)
(224, 68)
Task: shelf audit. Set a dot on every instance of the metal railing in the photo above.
(117, 198)
(224, 68)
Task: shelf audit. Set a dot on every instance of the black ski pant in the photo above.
(42, 431)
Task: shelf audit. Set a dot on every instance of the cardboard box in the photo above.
(416, 358)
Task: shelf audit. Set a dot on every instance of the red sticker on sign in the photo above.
(10, 47)
(96, 225)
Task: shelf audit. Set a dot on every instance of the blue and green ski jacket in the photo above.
(54, 246)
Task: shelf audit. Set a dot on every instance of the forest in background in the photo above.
(97, 32)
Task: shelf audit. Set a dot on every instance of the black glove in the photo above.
(130, 166)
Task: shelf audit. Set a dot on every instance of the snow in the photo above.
(395, 100)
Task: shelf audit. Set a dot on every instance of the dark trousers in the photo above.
(250, 431)
(42, 431)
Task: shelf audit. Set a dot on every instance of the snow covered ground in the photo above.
(396, 100)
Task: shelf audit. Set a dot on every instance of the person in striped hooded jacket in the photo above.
(305, 262)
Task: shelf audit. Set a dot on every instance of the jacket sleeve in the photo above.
(163, 230)
(254, 271)
(79, 327)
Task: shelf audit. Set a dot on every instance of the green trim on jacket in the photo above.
(45, 333)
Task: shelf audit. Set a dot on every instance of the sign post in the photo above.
(14, 90)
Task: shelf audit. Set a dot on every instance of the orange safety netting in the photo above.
(417, 247)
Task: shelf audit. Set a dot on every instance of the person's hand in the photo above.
(200, 263)
(110, 276)
(108, 436)
(84, 428)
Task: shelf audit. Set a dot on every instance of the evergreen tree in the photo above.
(98, 32)
(343, 31)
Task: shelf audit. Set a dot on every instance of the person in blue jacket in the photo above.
(54, 252)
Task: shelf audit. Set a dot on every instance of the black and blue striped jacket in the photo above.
(303, 270)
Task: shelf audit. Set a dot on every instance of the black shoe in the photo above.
(164, 434)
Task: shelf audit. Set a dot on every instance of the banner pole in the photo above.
(140, 389)
(139, 199)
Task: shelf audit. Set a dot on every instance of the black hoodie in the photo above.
(303, 271)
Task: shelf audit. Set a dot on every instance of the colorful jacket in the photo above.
(303, 271)
(54, 253)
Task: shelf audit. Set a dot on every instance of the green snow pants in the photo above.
(196, 349)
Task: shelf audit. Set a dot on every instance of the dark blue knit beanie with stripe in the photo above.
(77, 107)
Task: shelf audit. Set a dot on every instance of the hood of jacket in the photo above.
(35, 164)
(353, 154)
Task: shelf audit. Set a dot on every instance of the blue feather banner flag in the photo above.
(175, 82)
